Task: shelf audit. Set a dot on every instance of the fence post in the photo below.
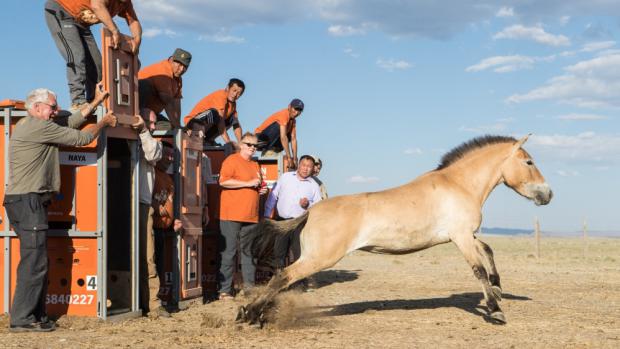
(537, 235)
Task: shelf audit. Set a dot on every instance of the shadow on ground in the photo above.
(469, 302)
(328, 277)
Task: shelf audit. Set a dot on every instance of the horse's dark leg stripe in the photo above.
(488, 253)
(481, 274)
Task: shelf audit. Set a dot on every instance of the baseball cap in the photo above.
(297, 104)
(182, 56)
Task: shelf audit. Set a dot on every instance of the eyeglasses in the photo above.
(53, 106)
(251, 145)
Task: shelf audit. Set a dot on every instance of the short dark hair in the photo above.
(307, 157)
(238, 82)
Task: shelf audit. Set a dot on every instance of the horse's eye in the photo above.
(530, 162)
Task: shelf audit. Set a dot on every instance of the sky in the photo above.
(391, 85)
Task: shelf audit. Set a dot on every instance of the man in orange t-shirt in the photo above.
(279, 131)
(241, 182)
(69, 22)
(160, 86)
(218, 112)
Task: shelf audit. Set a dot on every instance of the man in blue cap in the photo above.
(279, 132)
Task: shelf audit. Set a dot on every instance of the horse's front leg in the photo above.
(467, 245)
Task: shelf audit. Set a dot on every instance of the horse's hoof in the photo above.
(241, 314)
(498, 318)
(497, 292)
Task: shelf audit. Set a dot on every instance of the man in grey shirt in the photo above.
(34, 177)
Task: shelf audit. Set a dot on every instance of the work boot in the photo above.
(158, 312)
(33, 327)
(269, 154)
(77, 106)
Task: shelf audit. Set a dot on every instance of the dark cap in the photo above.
(297, 104)
(182, 56)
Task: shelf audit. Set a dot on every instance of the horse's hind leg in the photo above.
(302, 268)
(467, 244)
(487, 253)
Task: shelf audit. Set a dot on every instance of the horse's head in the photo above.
(520, 174)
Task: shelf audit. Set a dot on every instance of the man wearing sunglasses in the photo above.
(33, 178)
(279, 132)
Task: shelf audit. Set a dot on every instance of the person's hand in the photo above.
(254, 183)
(116, 38)
(139, 124)
(263, 190)
(304, 203)
(177, 226)
(110, 119)
(100, 93)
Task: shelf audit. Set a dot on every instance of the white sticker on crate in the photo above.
(91, 282)
(78, 158)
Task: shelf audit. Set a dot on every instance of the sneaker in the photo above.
(269, 154)
(34, 327)
(77, 106)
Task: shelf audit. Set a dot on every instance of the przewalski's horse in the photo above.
(440, 206)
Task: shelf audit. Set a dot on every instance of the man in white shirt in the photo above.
(292, 195)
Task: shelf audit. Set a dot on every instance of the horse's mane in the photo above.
(479, 142)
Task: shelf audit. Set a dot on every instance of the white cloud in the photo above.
(503, 64)
(593, 83)
(581, 117)
(597, 46)
(564, 20)
(153, 32)
(391, 64)
(586, 147)
(505, 12)
(569, 173)
(413, 151)
(537, 34)
(222, 38)
(345, 30)
(436, 20)
(349, 51)
(362, 179)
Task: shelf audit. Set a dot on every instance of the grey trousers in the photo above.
(78, 47)
(28, 215)
(234, 232)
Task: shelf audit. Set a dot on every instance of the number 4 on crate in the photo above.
(91, 282)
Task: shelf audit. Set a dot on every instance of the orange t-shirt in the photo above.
(217, 100)
(282, 118)
(162, 79)
(240, 205)
(76, 9)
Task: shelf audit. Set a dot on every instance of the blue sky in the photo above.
(390, 85)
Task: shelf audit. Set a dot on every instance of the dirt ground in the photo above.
(427, 299)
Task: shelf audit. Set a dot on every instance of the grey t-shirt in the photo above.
(33, 155)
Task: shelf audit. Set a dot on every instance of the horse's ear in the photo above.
(519, 143)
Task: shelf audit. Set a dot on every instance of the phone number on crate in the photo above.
(80, 299)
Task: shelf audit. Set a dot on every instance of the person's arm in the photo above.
(294, 145)
(284, 141)
(108, 120)
(151, 147)
(237, 128)
(76, 119)
(316, 194)
(100, 9)
(136, 35)
(236, 184)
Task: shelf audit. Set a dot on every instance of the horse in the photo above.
(440, 206)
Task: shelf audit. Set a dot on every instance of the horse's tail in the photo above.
(265, 234)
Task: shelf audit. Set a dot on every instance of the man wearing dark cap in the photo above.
(160, 86)
(279, 132)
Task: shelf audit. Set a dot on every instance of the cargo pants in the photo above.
(78, 47)
(149, 281)
(28, 215)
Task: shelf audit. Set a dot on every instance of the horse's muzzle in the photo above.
(542, 194)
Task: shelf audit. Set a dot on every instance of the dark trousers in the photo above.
(28, 215)
(236, 232)
(78, 47)
(282, 245)
(270, 138)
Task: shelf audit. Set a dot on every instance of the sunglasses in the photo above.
(53, 106)
(251, 145)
